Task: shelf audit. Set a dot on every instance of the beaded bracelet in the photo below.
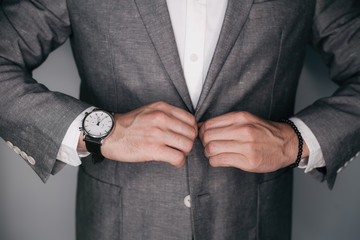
(298, 158)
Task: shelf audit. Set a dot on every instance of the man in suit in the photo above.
(200, 85)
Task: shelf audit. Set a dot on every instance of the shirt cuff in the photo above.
(316, 158)
(68, 152)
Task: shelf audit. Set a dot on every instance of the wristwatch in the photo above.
(96, 126)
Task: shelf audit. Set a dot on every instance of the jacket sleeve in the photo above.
(335, 120)
(33, 120)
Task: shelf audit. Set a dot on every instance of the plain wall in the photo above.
(32, 210)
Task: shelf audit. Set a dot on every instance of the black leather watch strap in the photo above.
(93, 146)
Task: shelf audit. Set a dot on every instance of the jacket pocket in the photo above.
(98, 209)
(274, 205)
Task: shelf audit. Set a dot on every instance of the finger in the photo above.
(178, 142)
(217, 122)
(169, 123)
(182, 128)
(184, 116)
(229, 119)
(176, 112)
(228, 160)
(216, 134)
(170, 155)
(214, 148)
(242, 133)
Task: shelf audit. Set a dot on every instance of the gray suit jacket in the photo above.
(127, 57)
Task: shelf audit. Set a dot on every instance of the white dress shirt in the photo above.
(197, 25)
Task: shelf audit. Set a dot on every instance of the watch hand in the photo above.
(103, 119)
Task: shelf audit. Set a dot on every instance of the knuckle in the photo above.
(243, 115)
(188, 146)
(207, 136)
(234, 116)
(211, 148)
(254, 162)
(249, 130)
(158, 104)
(193, 133)
(193, 120)
(213, 163)
(178, 159)
(158, 117)
(206, 125)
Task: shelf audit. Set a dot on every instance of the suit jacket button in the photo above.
(10, 144)
(187, 201)
(23, 155)
(31, 160)
(17, 150)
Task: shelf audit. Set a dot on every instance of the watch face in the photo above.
(98, 123)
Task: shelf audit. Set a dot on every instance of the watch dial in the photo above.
(98, 123)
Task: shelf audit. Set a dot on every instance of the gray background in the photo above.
(32, 210)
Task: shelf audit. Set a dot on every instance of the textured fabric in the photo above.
(33, 118)
(196, 53)
(127, 57)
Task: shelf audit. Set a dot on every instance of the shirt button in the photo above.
(31, 160)
(194, 57)
(187, 201)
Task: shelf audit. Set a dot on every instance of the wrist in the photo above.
(295, 147)
(96, 126)
(81, 144)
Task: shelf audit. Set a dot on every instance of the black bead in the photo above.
(297, 132)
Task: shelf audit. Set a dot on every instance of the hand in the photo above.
(158, 131)
(245, 141)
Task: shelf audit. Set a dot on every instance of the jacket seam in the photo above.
(275, 75)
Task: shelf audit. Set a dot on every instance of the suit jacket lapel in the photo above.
(235, 17)
(157, 21)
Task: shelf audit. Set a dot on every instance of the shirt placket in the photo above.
(194, 47)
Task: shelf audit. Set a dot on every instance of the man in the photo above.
(201, 86)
